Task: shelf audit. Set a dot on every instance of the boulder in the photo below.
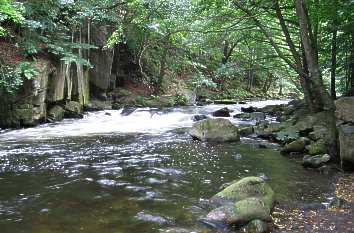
(346, 139)
(272, 109)
(215, 130)
(246, 130)
(319, 131)
(249, 109)
(257, 116)
(295, 146)
(255, 226)
(56, 113)
(318, 147)
(345, 109)
(196, 118)
(73, 110)
(315, 161)
(241, 212)
(243, 116)
(245, 188)
(223, 112)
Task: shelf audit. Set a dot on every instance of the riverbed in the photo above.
(138, 172)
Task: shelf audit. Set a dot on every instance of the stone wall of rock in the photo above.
(56, 84)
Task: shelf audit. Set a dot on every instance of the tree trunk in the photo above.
(325, 101)
(352, 67)
(334, 63)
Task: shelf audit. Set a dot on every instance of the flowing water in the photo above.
(141, 172)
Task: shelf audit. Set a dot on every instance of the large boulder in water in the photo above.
(223, 112)
(345, 109)
(245, 188)
(241, 212)
(215, 130)
(346, 139)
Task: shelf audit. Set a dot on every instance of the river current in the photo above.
(140, 172)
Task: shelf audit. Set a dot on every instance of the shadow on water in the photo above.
(131, 181)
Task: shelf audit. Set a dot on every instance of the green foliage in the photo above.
(27, 70)
(199, 80)
(288, 134)
(9, 12)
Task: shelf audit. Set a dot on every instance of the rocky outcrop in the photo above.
(215, 130)
(345, 122)
(346, 140)
(345, 109)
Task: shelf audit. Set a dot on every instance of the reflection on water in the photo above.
(136, 173)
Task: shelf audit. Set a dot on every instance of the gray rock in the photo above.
(196, 118)
(345, 109)
(215, 130)
(73, 110)
(315, 161)
(56, 113)
(257, 116)
(147, 217)
(346, 140)
(223, 112)
(256, 226)
(243, 116)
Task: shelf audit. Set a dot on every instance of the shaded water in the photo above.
(137, 173)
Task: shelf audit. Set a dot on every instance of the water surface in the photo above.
(136, 173)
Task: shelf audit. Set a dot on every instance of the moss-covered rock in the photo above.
(223, 112)
(318, 147)
(245, 188)
(295, 146)
(241, 212)
(215, 130)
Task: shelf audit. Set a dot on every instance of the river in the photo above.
(140, 172)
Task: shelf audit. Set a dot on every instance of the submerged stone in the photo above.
(215, 130)
(315, 161)
(256, 226)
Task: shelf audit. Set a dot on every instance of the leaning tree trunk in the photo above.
(326, 102)
(352, 67)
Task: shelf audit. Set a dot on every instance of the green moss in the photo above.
(319, 147)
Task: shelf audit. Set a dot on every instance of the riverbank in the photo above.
(337, 218)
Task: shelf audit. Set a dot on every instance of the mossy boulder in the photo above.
(215, 130)
(295, 146)
(318, 147)
(245, 188)
(241, 212)
(246, 130)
